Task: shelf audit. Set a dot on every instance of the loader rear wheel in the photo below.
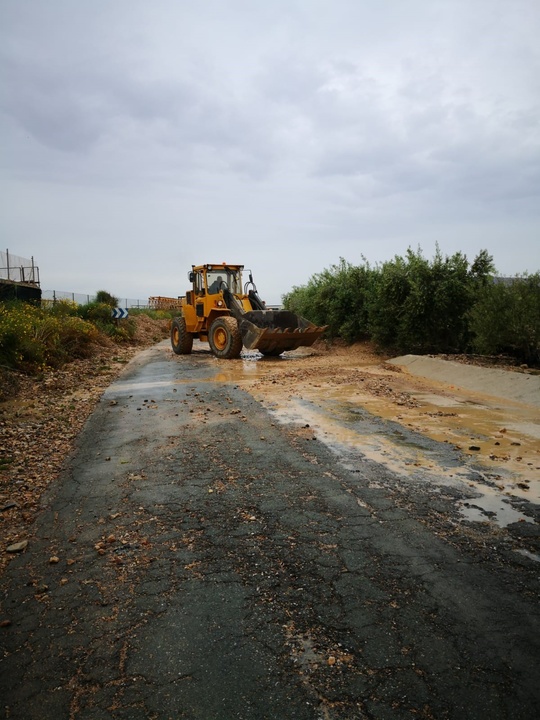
(181, 340)
(224, 338)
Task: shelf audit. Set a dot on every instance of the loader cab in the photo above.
(221, 278)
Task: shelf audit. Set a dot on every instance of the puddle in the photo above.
(124, 386)
(251, 365)
(372, 441)
(246, 370)
(355, 436)
(505, 440)
(527, 554)
(490, 506)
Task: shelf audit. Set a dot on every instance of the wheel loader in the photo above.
(228, 315)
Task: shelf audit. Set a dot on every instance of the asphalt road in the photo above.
(199, 560)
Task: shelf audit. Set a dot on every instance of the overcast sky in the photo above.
(139, 138)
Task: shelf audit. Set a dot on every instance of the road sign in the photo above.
(119, 313)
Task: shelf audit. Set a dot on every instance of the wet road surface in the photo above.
(202, 559)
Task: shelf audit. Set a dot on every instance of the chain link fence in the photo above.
(18, 269)
(82, 299)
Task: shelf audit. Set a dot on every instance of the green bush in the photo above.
(95, 311)
(32, 337)
(422, 306)
(154, 314)
(17, 323)
(99, 314)
(338, 297)
(412, 304)
(102, 296)
(62, 308)
(506, 319)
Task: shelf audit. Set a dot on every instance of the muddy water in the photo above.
(423, 431)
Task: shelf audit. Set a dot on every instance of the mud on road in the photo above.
(311, 537)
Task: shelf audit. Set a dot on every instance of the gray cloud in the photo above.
(325, 128)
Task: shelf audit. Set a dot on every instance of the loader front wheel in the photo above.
(181, 339)
(224, 338)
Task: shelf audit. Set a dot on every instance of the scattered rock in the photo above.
(17, 547)
(8, 505)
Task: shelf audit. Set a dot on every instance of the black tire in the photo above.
(225, 339)
(181, 340)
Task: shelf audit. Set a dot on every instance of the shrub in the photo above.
(17, 323)
(506, 319)
(338, 297)
(95, 311)
(102, 296)
(62, 308)
(32, 337)
(407, 304)
(154, 314)
(99, 313)
(77, 339)
(423, 306)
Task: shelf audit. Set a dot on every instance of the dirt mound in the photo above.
(148, 330)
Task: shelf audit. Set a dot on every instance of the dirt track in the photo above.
(250, 539)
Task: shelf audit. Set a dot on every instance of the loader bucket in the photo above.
(274, 331)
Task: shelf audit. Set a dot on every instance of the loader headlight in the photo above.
(220, 303)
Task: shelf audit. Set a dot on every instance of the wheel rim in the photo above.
(176, 336)
(220, 338)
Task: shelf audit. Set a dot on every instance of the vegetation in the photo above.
(412, 304)
(32, 337)
(408, 304)
(339, 297)
(154, 314)
(102, 296)
(506, 319)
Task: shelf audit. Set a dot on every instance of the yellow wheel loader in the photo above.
(229, 315)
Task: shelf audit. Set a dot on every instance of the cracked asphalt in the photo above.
(199, 560)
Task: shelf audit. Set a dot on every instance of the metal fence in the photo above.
(82, 299)
(18, 269)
